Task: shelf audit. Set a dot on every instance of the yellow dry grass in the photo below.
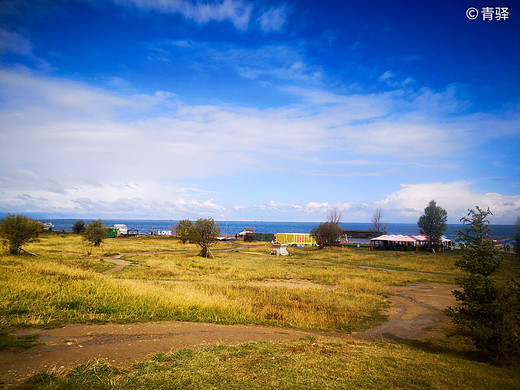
(167, 280)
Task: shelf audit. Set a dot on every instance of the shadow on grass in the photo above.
(452, 345)
(10, 341)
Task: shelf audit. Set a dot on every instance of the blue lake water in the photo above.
(230, 228)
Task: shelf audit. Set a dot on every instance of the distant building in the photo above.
(402, 242)
(122, 230)
(299, 239)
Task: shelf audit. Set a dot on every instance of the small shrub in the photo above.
(326, 234)
(204, 233)
(249, 237)
(183, 230)
(95, 232)
(78, 227)
(18, 230)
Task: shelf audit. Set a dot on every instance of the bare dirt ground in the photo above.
(415, 309)
(118, 262)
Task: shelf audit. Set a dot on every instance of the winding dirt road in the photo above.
(415, 308)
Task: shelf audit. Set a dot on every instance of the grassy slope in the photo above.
(64, 285)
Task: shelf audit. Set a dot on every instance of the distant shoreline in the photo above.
(230, 228)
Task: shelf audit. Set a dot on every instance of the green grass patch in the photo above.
(310, 363)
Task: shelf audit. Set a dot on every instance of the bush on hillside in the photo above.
(183, 230)
(18, 230)
(95, 232)
(249, 237)
(78, 227)
(326, 234)
(204, 233)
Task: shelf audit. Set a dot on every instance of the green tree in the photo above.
(204, 233)
(183, 230)
(78, 227)
(250, 235)
(433, 222)
(328, 233)
(18, 230)
(95, 232)
(488, 313)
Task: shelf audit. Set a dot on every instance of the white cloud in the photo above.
(284, 63)
(317, 206)
(12, 42)
(357, 173)
(272, 20)
(143, 199)
(386, 76)
(66, 145)
(68, 117)
(235, 11)
(456, 198)
(343, 206)
(390, 79)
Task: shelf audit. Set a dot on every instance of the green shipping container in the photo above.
(111, 232)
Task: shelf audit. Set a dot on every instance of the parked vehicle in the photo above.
(122, 230)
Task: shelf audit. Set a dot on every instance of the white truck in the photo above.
(122, 230)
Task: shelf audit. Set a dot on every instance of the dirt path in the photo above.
(118, 262)
(122, 345)
(415, 308)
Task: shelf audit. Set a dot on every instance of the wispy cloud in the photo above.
(273, 19)
(386, 76)
(68, 146)
(455, 197)
(350, 173)
(12, 42)
(390, 78)
(235, 11)
(277, 63)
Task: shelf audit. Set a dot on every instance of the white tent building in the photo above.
(403, 242)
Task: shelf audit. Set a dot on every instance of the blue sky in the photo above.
(264, 110)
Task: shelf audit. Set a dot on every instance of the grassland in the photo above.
(323, 290)
(169, 281)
